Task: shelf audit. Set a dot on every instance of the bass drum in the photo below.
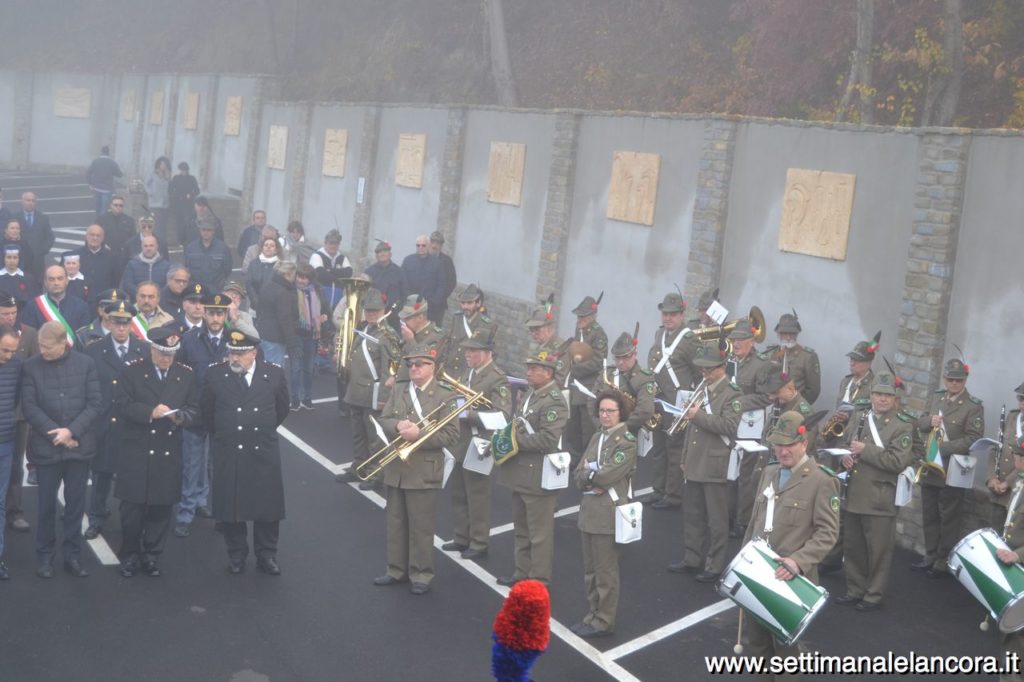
(998, 586)
(783, 607)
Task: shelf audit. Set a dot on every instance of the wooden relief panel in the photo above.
(505, 173)
(634, 187)
(816, 209)
(412, 151)
(192, 111)
(128, 106)
(277, 147)
(156, 108)
(335, 147)
(72, 102)
(233, 115)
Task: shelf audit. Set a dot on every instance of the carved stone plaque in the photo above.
(816, 210)
(335, 147)
(277, 147)
(505, 173)
(192, 111)
(156, 108)
(412, 151)
(233, 115)
(128, 106)
(634, 187)
(72, 102)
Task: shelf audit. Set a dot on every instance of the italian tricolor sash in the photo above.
(51, 312)
(140, 327)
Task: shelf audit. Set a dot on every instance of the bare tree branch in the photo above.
(860, 78)
(501, 65)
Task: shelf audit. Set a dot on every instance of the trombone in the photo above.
(399, 448)
(465, 391)
(696, 400)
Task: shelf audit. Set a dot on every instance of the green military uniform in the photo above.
(463, 329)
(1012, 525)
(709, 440)
(411, 485)
(805, 521)
(540, 317)
(772, 382)
(1000, 464)
(942, 505)
(373, 360)
(749, 375)
(871, 498)
(675, 373)
(799, 362)
(608, 464)
(545, 411)
(471, 492)
(638, 382)
(585, 373)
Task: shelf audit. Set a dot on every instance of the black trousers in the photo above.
(75, 475)
(144, 529)
(264, 538)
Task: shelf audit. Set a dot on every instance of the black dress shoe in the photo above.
(846, 600)
(653, 499)
(868, 606)
(236, 567)
(385, 580)
(45, 571)
(4, 575)
(419, 588)
(587, 631)
(369, 485)
(268, 565)
(454, 547)
(507, 581)
(707, 577)
(937, 574)
(923, 565)
(473, 553)
(151, 569)
(665, 504)
(347, 476)
(129, 567)
(680, 567)
(74, 567)
(91, 533)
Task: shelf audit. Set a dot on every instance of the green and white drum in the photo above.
(998, 586)
(784, 607)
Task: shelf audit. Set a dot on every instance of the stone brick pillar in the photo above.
(261, 92)
(558, 212)
(299, 164)
(362, 215)
(710, 209)
(451, 178)
(208, 126)
(927, 288)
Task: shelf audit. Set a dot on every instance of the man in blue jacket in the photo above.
(10, 390)
(208, 258)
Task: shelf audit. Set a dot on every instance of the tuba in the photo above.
(757, 322)
(355, 289)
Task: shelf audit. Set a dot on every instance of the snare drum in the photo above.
(784, 607)
(998, 586)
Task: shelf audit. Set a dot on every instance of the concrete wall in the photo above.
(987, 306)
(8, 86)
(401, 213)
(59, 141)
(839, 303)
(497, 245)
(272, 185)
(186, 143)
(124, 149)
(603, 253)
(330, 202)
(153, 143)
(228, 152)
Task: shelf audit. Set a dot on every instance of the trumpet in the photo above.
(399, 448)
(464, 391)
(696, 400)
(835, 427)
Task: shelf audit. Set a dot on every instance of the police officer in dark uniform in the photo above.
(243, 402)
(157, 397)
(111, 354)
(100, 327)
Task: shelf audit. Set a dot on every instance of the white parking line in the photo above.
(90, 211)
(605, 661)
(70, 184)
(67, 198)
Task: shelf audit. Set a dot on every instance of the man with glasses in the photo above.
(111, 354)
(202, 347)
(411, 485)
(423, 275)
(173, 293)
(960, 419)
(243, 402)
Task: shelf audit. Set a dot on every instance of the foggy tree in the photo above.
(859, 80)
(943, 91)
(501, 65)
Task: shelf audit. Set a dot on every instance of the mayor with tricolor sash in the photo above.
(55, 305)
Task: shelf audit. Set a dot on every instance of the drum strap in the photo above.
(874, 431)
(1020, 427)
(1017, 488)
(769, 515)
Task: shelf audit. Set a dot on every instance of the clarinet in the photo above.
(1002, 443)
(845, 481)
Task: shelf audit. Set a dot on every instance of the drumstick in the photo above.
(738, 649)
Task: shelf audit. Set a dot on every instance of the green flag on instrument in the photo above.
(503, 444)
